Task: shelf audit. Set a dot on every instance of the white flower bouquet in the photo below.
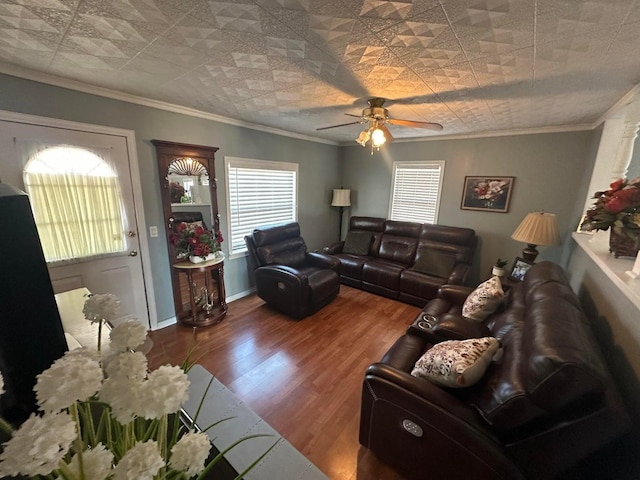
(109, 417)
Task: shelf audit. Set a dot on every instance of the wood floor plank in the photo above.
(304, 377)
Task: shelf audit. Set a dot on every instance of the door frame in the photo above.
(134, 170)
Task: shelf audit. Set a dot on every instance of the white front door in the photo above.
(118, 273)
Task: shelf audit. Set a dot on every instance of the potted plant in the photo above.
(498, 268)
(197, 243)
(618, 209)
(104, 416)
(176, 191)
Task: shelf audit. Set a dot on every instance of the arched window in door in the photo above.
(76, 202)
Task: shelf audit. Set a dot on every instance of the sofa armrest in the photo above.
(429, 392)
(456, 327)
(285, 288)
(422, 429)
(334, 248)
(446, 326)
(282, 273)
(456, 294)
(321, 260)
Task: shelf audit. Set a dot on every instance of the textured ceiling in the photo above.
(472, 65)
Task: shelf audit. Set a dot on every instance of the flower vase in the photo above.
(197, 259)
(622, 245)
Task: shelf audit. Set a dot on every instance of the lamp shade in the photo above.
(341, 197)
(538, 228)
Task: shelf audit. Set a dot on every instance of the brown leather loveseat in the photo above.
(407, 261)
(546, 404)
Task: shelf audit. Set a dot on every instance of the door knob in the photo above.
(133, 253)
(132, 234)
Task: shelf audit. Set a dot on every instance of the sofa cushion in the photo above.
(484, 300)
(458, 241)
(419, 285)
(402, 229)
(289, 252)
(371, 224)
(398, 249)
(383, 273)
(434, 262)
(551, 357)
(357, 243)
(351, 265)
(456, 363)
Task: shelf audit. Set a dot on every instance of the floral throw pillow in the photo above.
(484, 300)
(456, 363)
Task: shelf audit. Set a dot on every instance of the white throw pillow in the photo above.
(484, 300)
(456, 363)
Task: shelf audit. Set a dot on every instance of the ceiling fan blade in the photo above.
(341, 125)
(412, 123)
(352, 115)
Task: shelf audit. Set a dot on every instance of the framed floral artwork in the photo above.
(489, 194)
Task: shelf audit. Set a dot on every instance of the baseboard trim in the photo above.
(173, 320)
(240, 295)
(166, 323)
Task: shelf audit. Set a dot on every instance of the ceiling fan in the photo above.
(377, 117)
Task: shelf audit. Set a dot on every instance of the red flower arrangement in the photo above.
(617, 208)
(195, 240)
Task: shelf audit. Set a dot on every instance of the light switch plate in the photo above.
(153, 231)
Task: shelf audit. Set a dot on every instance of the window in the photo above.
(76, 202)
(259, 193)
(415, 191)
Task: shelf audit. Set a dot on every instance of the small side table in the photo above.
(507, 283)
(205, 310)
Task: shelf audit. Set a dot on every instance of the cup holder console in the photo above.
(426, 321)
(423, 326)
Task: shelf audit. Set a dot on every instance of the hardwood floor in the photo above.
(304, 377)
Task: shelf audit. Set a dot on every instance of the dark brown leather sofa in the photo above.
(288, 278)
(545, 405)
(401, 258)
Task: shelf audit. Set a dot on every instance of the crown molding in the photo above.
(510, 133)
(54, 80)
(617, 110)
(493, 133)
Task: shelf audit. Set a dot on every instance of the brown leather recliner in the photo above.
(545, 405)
(288, 278)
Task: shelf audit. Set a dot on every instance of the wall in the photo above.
(318, 165)
(551, 170)
(615, 321)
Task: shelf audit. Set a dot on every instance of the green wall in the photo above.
(318, 165)
(552, 172)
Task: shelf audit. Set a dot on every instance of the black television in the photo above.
(31, 333)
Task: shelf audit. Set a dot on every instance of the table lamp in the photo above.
(537, 228)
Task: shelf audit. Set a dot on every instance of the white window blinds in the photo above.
(415, 192)
(259, 193)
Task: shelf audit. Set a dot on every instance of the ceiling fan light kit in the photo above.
(377, 135)
(376, 116)
(377, 138)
